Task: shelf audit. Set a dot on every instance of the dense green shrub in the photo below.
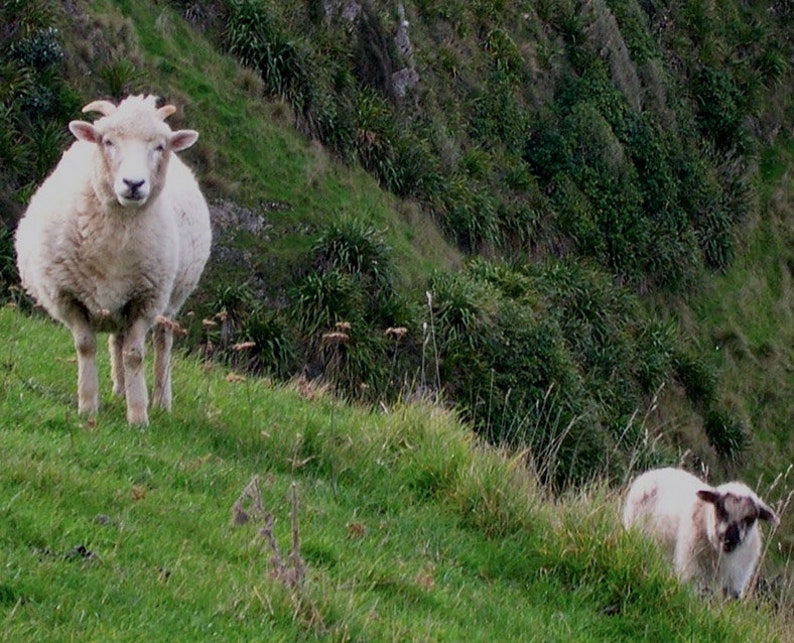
(255, 34)
(376, 132)
(468, 213)
(358, 250)
(275, 350)
(346, 309)
(497, 115)
(8, 269)
(243, 332)
(553, 358)
(725, 432)
(34, 99)
(323, 299)
(40, 50)
(720, 112)
(699, 381)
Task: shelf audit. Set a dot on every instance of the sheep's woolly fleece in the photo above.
(115, 240)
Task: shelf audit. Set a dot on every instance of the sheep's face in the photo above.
(134, 147)
(736, 512)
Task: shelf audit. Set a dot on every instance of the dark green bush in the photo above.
(8, 265)
(468, 212)
(34, 99)
(322, 299)
(699, 381)
(356, 249)
(375, 136)
(255, 34)
(121, 77)
(720, 112)
(553, 358)
(548, 153)
(726, 433)
(275, 350)
(344, 306)
(708, 209)
(505, 55)
(497, 115)
(338, 344)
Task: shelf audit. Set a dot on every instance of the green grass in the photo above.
(409, 529)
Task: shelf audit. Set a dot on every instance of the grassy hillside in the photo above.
(662, 335)
(311, 241)
(386, 525)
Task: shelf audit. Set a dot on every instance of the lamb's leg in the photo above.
(134, 378)
(163, 341)
(87, 381)
(115, 343)
(684, 558)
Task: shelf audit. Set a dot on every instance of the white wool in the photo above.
(114, 240)
(680, 512)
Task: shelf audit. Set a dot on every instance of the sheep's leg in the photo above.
(132, 355)
(87, 381)
(163, 341)
(115, 344)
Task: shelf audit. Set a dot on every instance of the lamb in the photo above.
(115, 240)
(711, 534)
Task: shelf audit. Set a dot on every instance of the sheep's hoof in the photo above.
(88, 409)
(137, 419)
(161, 402)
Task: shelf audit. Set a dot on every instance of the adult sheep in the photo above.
(711, 534)
(114, 240)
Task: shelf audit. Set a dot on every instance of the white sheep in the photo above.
(114, 240)
(710, 534)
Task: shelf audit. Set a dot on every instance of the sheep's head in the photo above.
(736, 509)
(134, 144)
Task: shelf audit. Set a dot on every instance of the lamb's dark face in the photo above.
(735, 515)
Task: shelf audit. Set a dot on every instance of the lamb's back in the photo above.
(657, 502)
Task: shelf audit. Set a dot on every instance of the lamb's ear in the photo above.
(84, 131)
(708, 495)
(766, 513)
(183, 139)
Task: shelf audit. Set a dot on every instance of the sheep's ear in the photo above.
(183, 139)
(766, 513)
(708, 495)
(84, 131)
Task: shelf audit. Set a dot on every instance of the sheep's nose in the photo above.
(133, 185)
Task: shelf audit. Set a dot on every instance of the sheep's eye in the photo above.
(108, 143)
(159, 147)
